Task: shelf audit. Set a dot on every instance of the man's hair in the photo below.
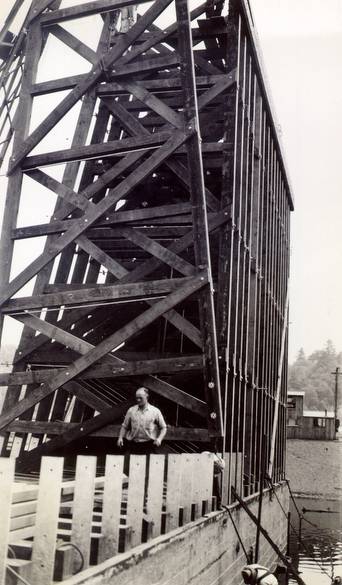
(144, 389)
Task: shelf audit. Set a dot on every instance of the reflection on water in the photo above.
(321, 535)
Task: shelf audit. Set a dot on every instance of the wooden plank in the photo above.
(206, 466)
(93, 151)
(53, 332)
(83, 508)
(198, 480)
(110, 88)
(111, 511)
(95, 294)
(6, 486)
(73, 42)
(99, 429)
(153, 103)
(62, 190)
(148, 64)
(135, 496)
(87, 9)
(86, 396)
(173, 490)
(72, 98)
(45, 532)
(74, 432)
(175, 394)
(101, 257)
(137, 368)
(159, 251)
(187, 465)
(155, 492)
(132, 216)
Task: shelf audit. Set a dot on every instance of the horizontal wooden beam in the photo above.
(131, 216)
(109, 431)
(81, 430)
(103, 293)
(107, 89)
(101, 150)
(87, 9)
(158, 85)
(116, 370)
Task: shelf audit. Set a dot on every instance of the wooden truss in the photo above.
(152, 219)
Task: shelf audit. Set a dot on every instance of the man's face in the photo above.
(141, 397)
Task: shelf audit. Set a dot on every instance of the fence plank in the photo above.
(199, 480)
(6, 485)
(135, 496)
(155, 492)
(83, 507)
(45, 533)
(174, 472)
(226, 480)
(112, 495)
(206, 470)
(188, 462)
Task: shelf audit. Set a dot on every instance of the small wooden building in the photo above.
(308, 424)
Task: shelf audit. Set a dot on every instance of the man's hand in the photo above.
(120, 442)
(157, 442)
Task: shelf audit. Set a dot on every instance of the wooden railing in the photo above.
(52, 528)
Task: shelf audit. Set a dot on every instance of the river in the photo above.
(319, 557)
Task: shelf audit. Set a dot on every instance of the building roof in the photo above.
(319, 413)
(295, 393)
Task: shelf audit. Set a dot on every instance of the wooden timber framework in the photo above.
(165, 261)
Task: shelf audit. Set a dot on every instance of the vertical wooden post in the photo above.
(83, 507)
(200, 222)
(11, 208)
(155, 492)
(45, 534)
(135, 496)
(6, 486)
(112, 495)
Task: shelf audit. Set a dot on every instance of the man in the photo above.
(144, 426)
(258, 575)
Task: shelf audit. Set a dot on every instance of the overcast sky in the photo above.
(301, 41)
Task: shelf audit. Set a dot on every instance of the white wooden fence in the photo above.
(54, 528)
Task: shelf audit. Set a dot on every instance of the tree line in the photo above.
(312, 375)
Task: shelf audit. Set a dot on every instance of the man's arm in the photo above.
(124, 428)
(163, 429)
